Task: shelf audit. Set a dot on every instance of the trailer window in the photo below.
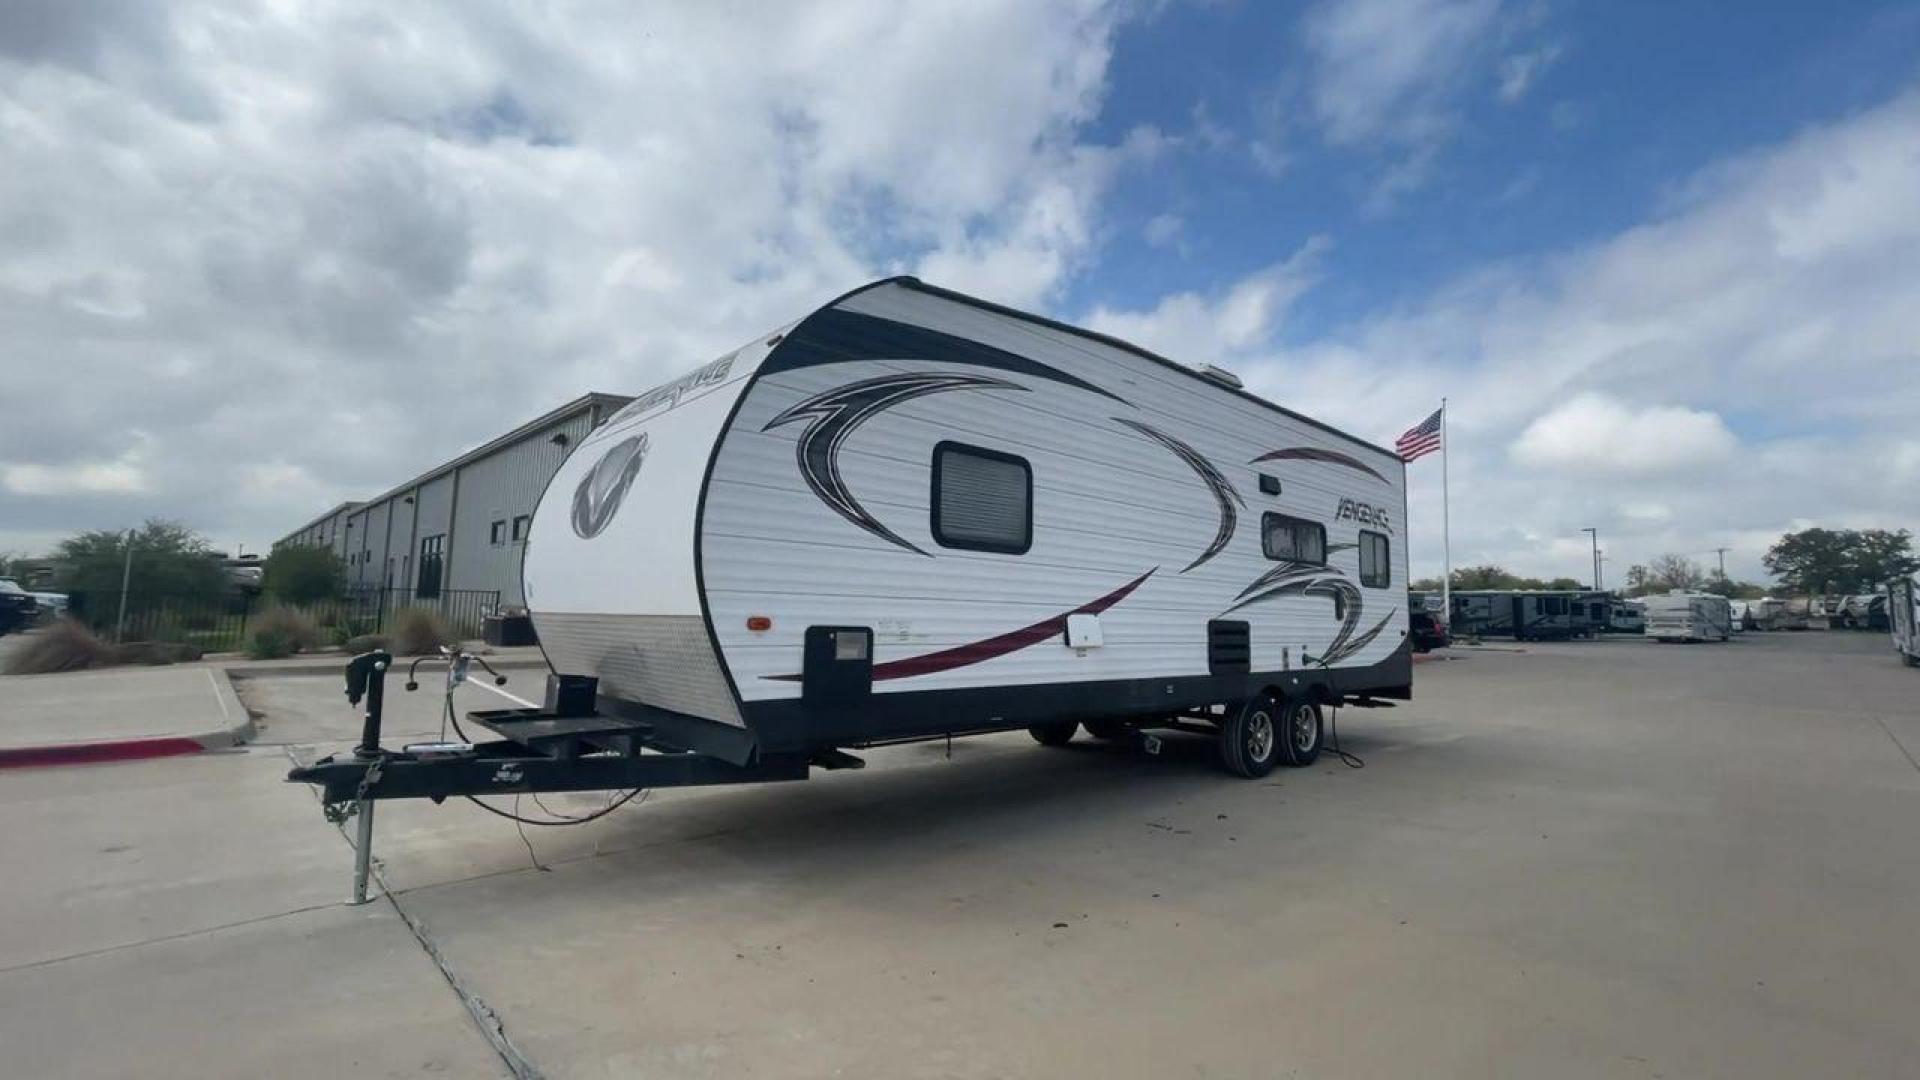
(1376, 563)
(1292, 539)
(1553, 605)
(982, 499)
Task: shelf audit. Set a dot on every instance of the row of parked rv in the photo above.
(1528, 615)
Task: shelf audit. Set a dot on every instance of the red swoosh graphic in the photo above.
(977, 651)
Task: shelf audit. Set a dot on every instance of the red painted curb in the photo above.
(27, 757)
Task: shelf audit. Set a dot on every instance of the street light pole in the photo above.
(1595, 535)
(126, 579)
(1722, 552)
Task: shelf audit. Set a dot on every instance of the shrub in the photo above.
(418, 631)
(295, 625)
(366, 643)
(155, 652)
(268, 643)
(67, 645)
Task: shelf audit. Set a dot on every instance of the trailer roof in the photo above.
(908, 281)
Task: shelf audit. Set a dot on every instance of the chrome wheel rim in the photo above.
(1306, 733)
(1259, 736)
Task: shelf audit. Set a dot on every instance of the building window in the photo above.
(497, 533)
(520, 526)
(982, 499)
(432, 551)
(1293, 540)
(1376, 563)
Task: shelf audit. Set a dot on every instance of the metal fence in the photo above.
(220, 624)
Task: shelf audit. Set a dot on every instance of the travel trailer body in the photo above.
(913, 513)
(1524, 616)
(1626, 617)
(1685, 616)
(1903, 618)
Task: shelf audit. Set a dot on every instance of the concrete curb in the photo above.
(236, 732)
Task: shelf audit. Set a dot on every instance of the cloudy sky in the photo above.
(256, 258)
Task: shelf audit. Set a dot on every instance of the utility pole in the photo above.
(1594, 534)
(1722, 552)
(126, 580)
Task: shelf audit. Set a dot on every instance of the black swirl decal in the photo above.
(1223, 492)
(598, 497)
(834, 415)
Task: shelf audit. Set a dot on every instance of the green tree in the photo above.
(300, 574)
(171, 564)
(1721, 585)
(1822, 561)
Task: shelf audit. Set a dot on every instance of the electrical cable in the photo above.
(1332, 743)
(447, 714)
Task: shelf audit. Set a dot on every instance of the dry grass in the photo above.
(418, 631)
(67, 645)
(281, 631)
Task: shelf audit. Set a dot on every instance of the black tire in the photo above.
(1109, 730)
(1300, 733)
(1249, 739)
(1059, 734)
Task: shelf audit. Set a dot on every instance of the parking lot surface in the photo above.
(1590, 859)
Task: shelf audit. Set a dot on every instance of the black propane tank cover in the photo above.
(570, 695)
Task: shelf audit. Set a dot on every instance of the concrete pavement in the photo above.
(1605, 859)
(117, 714)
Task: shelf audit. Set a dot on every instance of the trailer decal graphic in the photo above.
(978, 651)
(838, 337)
(600, 492)
(833, 416)
(1315, 453)
(1312, 579)
(1223, 492)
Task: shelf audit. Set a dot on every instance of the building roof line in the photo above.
(547, 419)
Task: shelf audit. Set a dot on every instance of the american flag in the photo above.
(1421, 439)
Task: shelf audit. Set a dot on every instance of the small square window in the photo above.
(982, 499)
(497, 533)
(1376, 561)
(1293, 540)
(520, 526)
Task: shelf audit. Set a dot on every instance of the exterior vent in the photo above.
(1220, 375)
(1229, 647)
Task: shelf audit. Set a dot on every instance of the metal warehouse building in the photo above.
(460, 526)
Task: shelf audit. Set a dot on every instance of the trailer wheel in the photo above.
(1250, 738)
(1109, 730)
(1059, 734)
(1301, 731)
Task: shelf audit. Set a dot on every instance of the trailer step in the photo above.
(837, 759)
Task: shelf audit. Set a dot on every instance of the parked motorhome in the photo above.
(1802, 613)
(1685, 616)
(1866, 611)
(1524, 616)
(913, 514)
(1903, 617)
(1626, 617)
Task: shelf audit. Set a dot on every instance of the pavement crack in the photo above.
(1898, 745)
(125, 945)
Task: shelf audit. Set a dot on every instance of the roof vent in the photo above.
(1220, 375)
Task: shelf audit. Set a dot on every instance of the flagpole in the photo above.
(1446, 526)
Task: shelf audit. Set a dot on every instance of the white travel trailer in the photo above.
(913, 513)
(1685, 616)
(1903, 617)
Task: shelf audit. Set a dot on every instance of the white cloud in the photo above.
(1605, 385)
(1519, 71)
(356, 237)
(1390, 79)
(1597, 434)
(1163, 230)
(1218, 328)
(1380, 64)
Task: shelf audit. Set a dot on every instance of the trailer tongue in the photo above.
(565, 745)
